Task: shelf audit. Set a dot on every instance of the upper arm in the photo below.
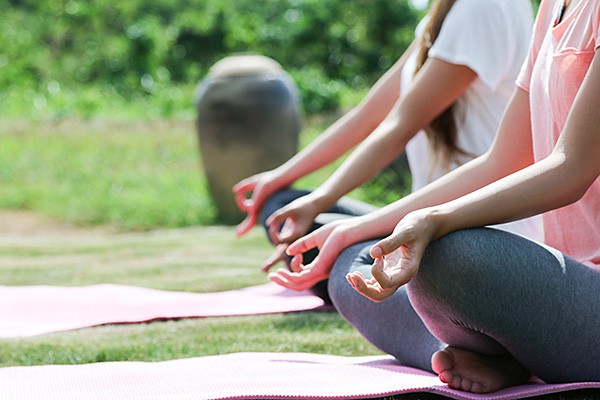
(436, 86)
(512, 148)
(579, 142)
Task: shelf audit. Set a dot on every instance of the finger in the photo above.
(288, 231)
(350, 279)
(376, 251)
(351, 283)
(388, 245)
(281, 281)
(277, 218)
(380, 274)
(291, 280)
(368, 289)
(296, 264)
(245, 185)
(240, 190)
(303, 244)
(394, 276)
(247, 224)
(277, 256)
(273, 233)
(242, 202)
(354, 278)
(304, 275)
(274, 228)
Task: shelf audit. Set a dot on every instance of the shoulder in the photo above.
(490, 8)
(491, 17)
(476, 6)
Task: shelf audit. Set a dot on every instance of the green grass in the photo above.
(135, 176)
(193, 259)
(311, 332)
(132, 176)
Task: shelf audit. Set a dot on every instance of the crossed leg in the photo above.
(507, 307)
(393, 326)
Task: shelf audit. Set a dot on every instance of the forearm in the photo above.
(333, 143)
(554, 182)
(386, 143)
(437, 86)
(547, 185)
(352, 128)
(465, 179)
(503, 158)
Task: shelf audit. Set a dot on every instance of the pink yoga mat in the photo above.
(34, 310)
(241, 376)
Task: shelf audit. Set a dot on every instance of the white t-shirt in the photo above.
(492, 38)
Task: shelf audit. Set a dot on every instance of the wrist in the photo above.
(282, 176)
(440, 221)
(363, 228)
(322, 200)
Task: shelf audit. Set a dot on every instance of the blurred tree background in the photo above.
(103, 58)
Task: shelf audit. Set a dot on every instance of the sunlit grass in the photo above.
(324, 333)
(134, 176)
(191, 259)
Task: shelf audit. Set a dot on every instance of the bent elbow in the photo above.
(580, 190)
(576, 178)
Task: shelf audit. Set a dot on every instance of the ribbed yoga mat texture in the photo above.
(34, 310)
(241, 376)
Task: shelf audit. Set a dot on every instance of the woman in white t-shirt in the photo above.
(441, 102)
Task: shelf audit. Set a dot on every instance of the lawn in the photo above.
(133, 176)
(126, 203)
(200, 259)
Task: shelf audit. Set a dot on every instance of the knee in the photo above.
(456, 269)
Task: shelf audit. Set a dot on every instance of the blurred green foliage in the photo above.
(62, 58)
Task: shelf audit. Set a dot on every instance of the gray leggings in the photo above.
(488, 291)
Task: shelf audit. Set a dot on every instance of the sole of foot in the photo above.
(472, 372)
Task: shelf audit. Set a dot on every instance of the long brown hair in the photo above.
(442, 131)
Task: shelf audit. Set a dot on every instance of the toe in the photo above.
(477, 388)
(442, 360)
(456, 382)
(466, 384)
(446, 376)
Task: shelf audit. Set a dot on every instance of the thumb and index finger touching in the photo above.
(251, 205)
(388, 245)
(303, 244)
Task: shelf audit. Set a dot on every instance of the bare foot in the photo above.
(465, 370)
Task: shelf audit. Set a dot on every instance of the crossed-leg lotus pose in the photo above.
(441, 102)
(499, 307)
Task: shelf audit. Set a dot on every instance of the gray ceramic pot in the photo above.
(248, 122)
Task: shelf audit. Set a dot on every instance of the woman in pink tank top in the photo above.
(503, 307)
